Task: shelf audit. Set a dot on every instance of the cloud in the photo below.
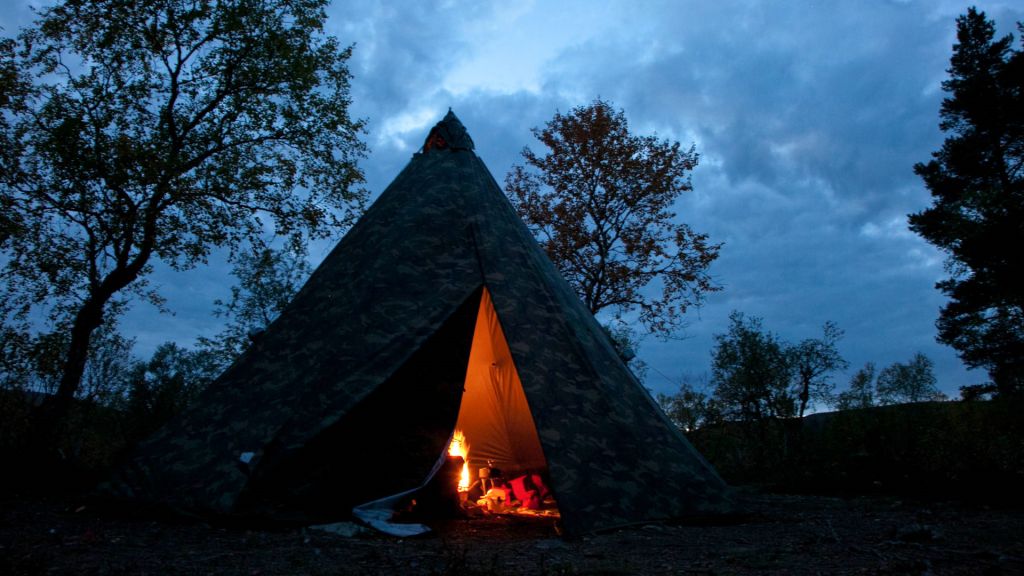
(813, 117)
(808, 116)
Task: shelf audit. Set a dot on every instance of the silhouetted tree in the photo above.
(600, 202)
(757, 375)
(913, 381)
(977, 214)
(109, 367)
(690, 407)
(14, 89)
(161, 130)
(975, 392)
(268, 279)
(31, 362)
(861, 393)
(751, 372)
(898, 383)
(164, 385)
(813, 361)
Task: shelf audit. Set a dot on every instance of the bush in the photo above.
(969, 450)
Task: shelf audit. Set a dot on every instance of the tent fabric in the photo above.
(494, 414)
(352, 393)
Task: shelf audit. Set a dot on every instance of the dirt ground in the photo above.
(777, 535)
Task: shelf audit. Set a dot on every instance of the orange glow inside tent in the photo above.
(494, 415)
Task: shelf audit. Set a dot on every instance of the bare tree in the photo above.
(814, 360)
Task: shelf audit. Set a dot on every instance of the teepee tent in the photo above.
(438, 309)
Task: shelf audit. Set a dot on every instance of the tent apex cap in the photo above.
(448, 134)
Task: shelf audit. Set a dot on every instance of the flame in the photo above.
(459, 447)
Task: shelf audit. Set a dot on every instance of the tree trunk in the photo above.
(805, 395)
(45, 431)
(46, 424)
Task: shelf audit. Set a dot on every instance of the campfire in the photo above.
(460, 447)
(490, 492)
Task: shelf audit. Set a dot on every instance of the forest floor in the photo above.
(777, 534)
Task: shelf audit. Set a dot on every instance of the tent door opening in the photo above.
(504, 466)
(497, 425)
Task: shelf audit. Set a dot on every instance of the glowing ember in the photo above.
(459, 447)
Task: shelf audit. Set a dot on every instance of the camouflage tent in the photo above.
(353, 393)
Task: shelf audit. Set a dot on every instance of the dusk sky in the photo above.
(808, 118)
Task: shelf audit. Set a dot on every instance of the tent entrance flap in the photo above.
(494, 414)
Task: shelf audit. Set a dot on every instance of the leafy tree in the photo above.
(861, 393)
(913, 381)
(9, 77)
(898, 383)
(813, 360)
(757, 375)
(977, 212)
(751, 372)
(14, 88)
(163, 386)
(109, 367)
(31, 362)
(13, 355)
(600, 202)
(268, 279)
(690, 407)
(975, 392)
(162, 130)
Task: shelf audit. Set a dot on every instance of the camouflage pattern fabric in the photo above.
(361, 376)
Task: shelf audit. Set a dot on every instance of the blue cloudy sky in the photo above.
(808, 117)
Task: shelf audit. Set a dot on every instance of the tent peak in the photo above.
(448, 134)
